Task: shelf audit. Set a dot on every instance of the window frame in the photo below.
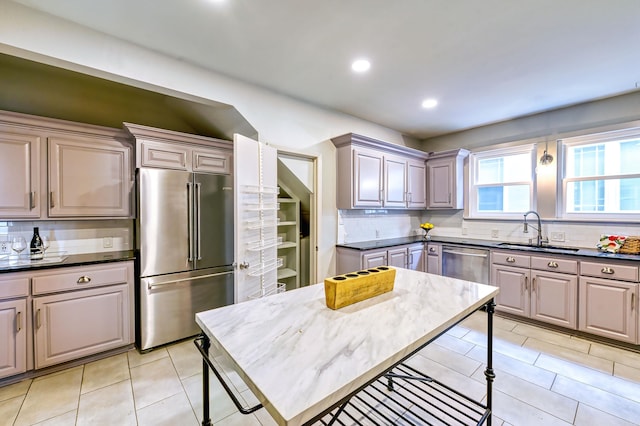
(474, 157)
(563, 180)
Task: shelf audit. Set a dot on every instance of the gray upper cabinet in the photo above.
(89, 177)
(19, 173)
(445, 177)
(59, 169)
(377, 174)
(166, 149)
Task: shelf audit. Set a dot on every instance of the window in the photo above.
(502, 182)
(601, 176)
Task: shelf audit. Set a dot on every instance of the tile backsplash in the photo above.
(366, 225)
(74, 237)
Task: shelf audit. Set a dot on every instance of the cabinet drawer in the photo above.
(510, 259)
(565, 266)
(81, 277)
(14, 285)
(610, 271)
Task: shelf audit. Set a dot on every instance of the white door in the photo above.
(255, 193)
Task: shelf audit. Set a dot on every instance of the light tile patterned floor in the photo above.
(543, 378)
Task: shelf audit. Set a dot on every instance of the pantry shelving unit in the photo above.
(289, 233)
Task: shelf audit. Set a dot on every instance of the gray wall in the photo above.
(563, 122)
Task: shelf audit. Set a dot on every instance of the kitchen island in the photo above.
(302, 360)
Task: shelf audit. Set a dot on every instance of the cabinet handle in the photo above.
(633, 299)
(52, 202)
(511, 259)
(449, 198)
(18, 321)
(38, 320)
(607, 270)
(32, 200)
(432, 249)
(526, 283)
(533, 284)
(552, 264)
(84, 280)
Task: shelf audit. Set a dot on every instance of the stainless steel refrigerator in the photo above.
(184, 238)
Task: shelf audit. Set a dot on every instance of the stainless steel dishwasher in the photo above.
(466, 263)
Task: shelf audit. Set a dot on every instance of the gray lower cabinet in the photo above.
(410, 256)
(511, 274)
(609, 300)
(14, 324)
(531, 287)
(13, 334)
(433, 260)
(81, 311)
(80, 323)
(554, 298)
(57, 315)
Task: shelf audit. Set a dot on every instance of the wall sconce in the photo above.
(546, 158)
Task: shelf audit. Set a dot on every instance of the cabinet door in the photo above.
(514, 289)
(80, 323)
(395, 182)
(416, 185)
(216, 161)
(416, 257)
(13, 335)
(554, 298)
(89, 178)
(162, 154)
(373, 259)
(441, 174)
(608, 308)
(398, 257)
(434, 265)
(19, 175)
(367, 179)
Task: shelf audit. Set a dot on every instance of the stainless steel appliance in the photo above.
(184, 237)
(466, 263)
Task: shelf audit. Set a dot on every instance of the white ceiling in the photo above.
(484, 60)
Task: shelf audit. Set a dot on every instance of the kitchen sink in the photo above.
(529, 246)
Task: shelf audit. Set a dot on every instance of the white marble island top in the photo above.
(300, 357)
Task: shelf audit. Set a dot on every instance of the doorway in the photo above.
(298, 213)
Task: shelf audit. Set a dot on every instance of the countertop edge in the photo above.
(493, 245)
(75, 260)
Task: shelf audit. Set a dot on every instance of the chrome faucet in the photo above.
(539, 239)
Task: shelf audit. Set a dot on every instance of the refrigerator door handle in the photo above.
(190, 220)
(151, 286)
(197, 233)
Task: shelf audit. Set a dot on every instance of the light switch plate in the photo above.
(557, 236)
(495, 233)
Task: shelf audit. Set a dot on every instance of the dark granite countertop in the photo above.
(556, 249)
(70, 260)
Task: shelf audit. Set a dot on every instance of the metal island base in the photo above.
(308, 364)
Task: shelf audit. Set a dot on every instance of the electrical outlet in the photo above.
(557, 236)
(495, 233)
(107, 242)
(377, 233)
(465, 231)
(5, 247)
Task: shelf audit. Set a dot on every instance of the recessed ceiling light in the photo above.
(360, 65)
(429, 103)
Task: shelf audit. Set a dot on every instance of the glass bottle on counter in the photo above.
(36, 246)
